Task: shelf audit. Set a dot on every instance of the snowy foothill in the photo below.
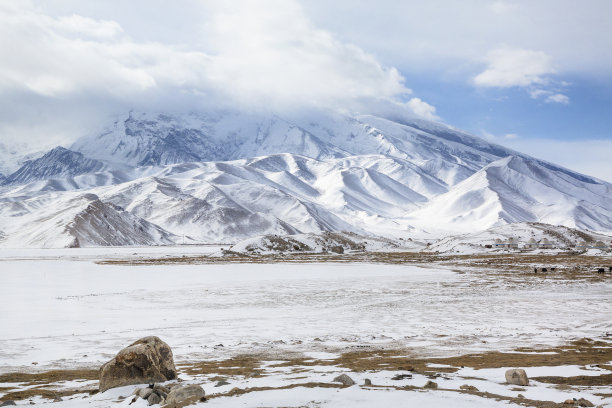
(62, 310)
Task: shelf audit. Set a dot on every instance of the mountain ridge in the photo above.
(223, 176)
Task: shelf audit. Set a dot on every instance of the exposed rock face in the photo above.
(147, 360)
(186, 395)
(345, 380)
(517, 376)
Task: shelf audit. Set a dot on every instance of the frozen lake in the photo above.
(61, 309)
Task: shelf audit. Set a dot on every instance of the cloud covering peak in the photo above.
(247, 55)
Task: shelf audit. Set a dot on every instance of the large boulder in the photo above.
(184, 395)
(345, 380)
(148, 360)
(517, 376)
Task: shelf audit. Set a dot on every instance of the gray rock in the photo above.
(517, 376)
(8, 403)
(398, 377)
(154, 399)
(222, 383)
(466, 387)
(367, 382)
(184, 395)
(584, 403)
(158, 387)
(431, 385)
(345, 380)
(143, 392)
(147, 360)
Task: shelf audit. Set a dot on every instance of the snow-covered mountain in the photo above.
(517, 189)
(58, 162)
(223, 176)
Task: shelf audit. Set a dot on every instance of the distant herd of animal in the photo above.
(599, 270)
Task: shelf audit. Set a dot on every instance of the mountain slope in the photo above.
(516, 189)
(59, 162)
(74, 220)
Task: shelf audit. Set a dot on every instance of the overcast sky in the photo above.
(532, 75)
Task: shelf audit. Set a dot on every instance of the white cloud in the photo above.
(88, 26)
(256, 55)
(499, 138)
(549, 96)
(422, 108)
(577, 37)
(251, 56)
(508, 67)
(558, 98)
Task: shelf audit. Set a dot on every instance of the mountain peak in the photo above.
(58, 162)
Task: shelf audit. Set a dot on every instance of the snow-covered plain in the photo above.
(60, 309)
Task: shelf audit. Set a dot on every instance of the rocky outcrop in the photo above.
(517, 376)
(148, 360)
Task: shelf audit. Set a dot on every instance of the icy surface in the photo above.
(55, 311)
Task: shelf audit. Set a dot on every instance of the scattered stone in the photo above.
(367, 381)
(147, 360)
(579, 402)
(57, 399)
(8, 403)
(398, 377)
(468, 387)
(517, 376)
(337, 249)
(431, 385)
(154, 398)
(521, 396)
(222, 383)
(345, 380)
(584, 403)
(185, 395)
